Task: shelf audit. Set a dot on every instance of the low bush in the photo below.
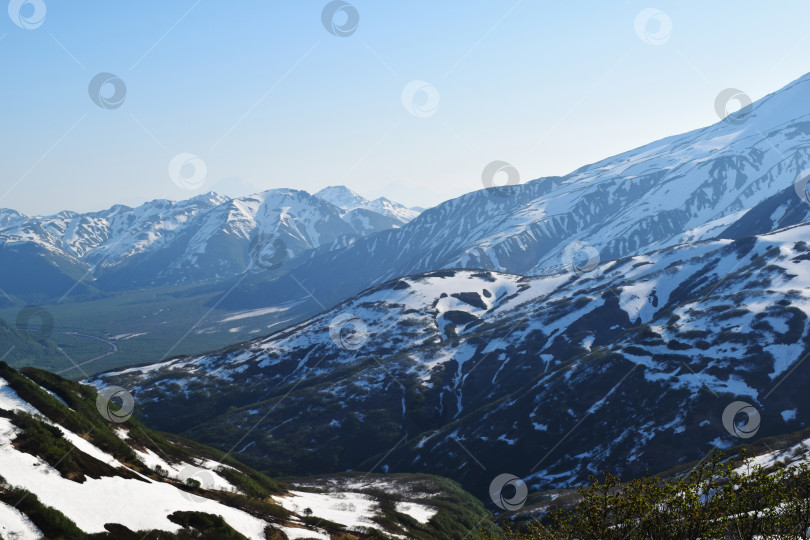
(714, 500)
(51, 522)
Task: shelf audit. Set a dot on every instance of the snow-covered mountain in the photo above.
(776, 212)
(73, 464)
(348, 200)
(626, 366)
(207, 237)
(683, 188)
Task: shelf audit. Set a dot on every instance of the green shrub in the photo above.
(51, 522)
(47, 442)
(207, 525)
(714, 500)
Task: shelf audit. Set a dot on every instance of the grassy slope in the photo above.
(20, 350)
(171, 321)
(458, 512)
(459, 515)
(82, 418)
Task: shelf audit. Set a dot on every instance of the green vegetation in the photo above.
(143, 324)
(22, 350)
(51, 522)
(195, 525)
(459, 516)
(46, 442)
(257, 485)
(205, 524)
(714, 500)
(81, 415)
(73, 406)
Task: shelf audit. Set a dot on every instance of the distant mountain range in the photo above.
(205, 238)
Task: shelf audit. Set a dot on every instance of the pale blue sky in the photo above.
(259, 90)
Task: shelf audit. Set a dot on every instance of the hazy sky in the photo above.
(261, 92)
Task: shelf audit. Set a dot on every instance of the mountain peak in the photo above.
(348, 201)
(342, 197)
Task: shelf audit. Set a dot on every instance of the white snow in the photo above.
(88, 448)
(252, 313)
(420, 512)
(14, 525)
(347, 200)
(354, 510)
(136, 504)
(207, 476)
(10, 401)
(295, 533)
(789, 414)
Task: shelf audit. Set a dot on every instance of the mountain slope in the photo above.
(74, 465)
(29, 343)
(103, 478)
(696, 184)
(35, 271)
(640, 355)
(781, 210)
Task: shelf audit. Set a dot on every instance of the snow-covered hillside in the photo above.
(69, 466)
(639, 354)
(116, 493)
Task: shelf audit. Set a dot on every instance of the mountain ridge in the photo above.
(209, 236)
